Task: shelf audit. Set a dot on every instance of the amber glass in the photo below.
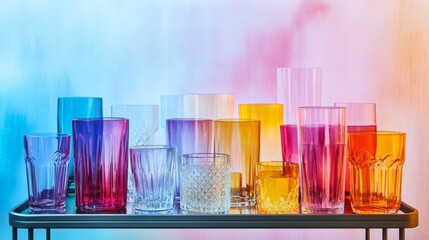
(240, 139)
(375, 177)
(271, 117)
(277, 187)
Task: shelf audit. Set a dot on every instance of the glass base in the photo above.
(48, 209)
(373, 210)
(203, 210)
(153, 206)
(331, 210)
(241, 202)
(97, 209)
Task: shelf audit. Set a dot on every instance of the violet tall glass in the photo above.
(189, 136)
(296, 87)
(46, 161)
(361, 117)
(70, 108)
(101, 154)
(322, 139)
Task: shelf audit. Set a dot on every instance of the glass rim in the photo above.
(204, 155)
(260, 104)
(71, 98)
(356, 103)
(237, 120)
(379, 133)
(100, 119)
(321, 108)
(188, 119)
(47, 135)
(210, 94)
(154, 147)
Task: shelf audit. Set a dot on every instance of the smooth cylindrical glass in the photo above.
(277, 187)
(189, 136)
(144, 124)
(209, 106)
(153, 168)
(376, 173)
(101, 154)
(271, 117)
(70, 108)
(205, 183)
(46, 161)
(296, 87)
(240, 139)
(322, 139)
(361, 117)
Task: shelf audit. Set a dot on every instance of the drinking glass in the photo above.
(277, 187)
(189, 136)
(101, 154)
(205, 183)
(322, 139)
(376, 174)
(271, 117)
(46, 161)
(361, 117)
(240, 138)
(296, 87)
(153, 171)
(143, 123)
(70, 108)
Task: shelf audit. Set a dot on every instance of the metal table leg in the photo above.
(31, 234)
(402, 234)
(48, 234)
(14, 233)
(367, 233)
(384, 233)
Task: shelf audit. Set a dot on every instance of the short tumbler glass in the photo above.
(205, 183)
(46, 161)
(153, 171)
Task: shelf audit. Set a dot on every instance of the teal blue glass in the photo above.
(70, 108)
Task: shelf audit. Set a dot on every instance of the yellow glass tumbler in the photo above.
(277, 187)
(240, 139)
(271, 117)
(376, 162)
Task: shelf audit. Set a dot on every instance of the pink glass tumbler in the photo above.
(101, 156)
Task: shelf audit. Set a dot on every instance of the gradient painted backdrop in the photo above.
(133, 51)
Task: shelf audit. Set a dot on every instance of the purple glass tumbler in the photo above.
(46, 161)
(322, 154)
(189, 135)
(101, 164)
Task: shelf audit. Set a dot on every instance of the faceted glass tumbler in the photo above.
(101, 170)
(70, 108)
(144, 124)
(153, 168)
(46, 161)
(205, 183)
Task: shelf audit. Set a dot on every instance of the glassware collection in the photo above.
(291, 157)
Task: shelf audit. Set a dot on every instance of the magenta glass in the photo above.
(361, 117)
(322, 139)
(101, 157)
(46, 161)
(296, 87)
(189, 136)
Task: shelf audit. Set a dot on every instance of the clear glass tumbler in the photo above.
(376, 173)
(153, 168)
(46, 161)
(322, 140)
(240, 139)
(144, 124)
(205, 183)
(101, 170)
(70, 108)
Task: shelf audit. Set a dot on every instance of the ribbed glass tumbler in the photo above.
(189, 136)
(144, 124)
(101, 153)
(46, 161)
(322, 139)
(70, 108)
(153, 168)
(240, 138)
(205, 183)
